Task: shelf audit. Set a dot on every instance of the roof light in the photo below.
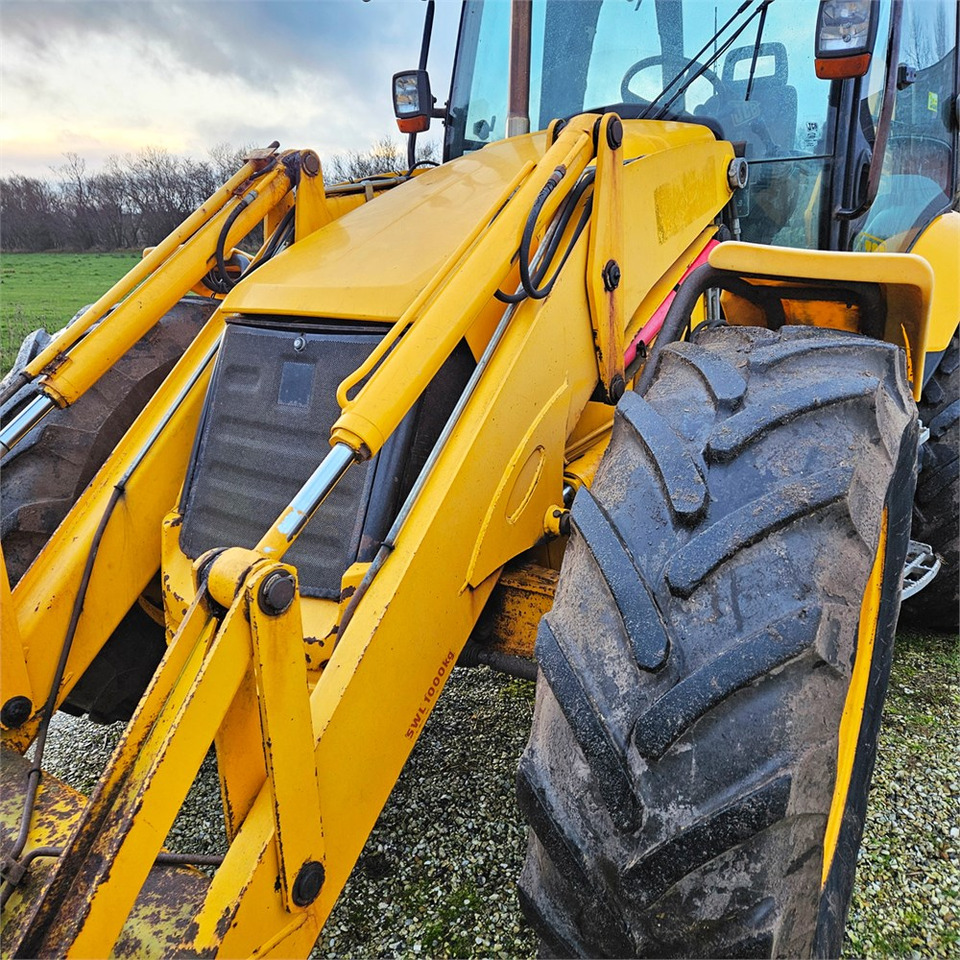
(846, 32)
(412, 100)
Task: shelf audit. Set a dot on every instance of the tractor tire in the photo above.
(936, 507)
(45, 474)
(729, 592)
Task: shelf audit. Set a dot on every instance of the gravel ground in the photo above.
(906, 900)
(436, 878)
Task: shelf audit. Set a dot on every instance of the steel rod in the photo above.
(278, 539)
(24, 422)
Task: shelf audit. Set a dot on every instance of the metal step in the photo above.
(919, 569)
(170, 899)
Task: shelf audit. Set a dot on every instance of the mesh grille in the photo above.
(265, 428)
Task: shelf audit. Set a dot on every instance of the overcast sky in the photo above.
(102, 77)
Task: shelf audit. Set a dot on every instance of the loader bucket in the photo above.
(169, 900)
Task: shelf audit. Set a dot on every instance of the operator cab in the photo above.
(747, 70)
(750, 78)
(919, 173)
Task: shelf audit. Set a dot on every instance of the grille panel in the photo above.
(264, 431)
(266, 427)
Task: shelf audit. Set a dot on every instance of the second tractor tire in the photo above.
(936, 507)
(714, 667)
(45, 474)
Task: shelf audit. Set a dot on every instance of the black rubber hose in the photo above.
(531, 283)
(411, 152)
(476, 654)
(36, 770)
(224, 278)
(526, 241)
(570, 204)
(678, 316)
(279, 236)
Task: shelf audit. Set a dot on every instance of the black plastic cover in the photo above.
(266, 427)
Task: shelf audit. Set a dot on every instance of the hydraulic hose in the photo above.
(530, 282)
(36, 768)
(222, 280)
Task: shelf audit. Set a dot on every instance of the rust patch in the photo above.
(227, 919)
(227, 807)
(54, 365)
(190, 934)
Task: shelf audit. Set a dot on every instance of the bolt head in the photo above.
(276, 593)
(738, 173)
(615, 133)
(15, 712)
(611, 275)
(309, 882)
(310, 163)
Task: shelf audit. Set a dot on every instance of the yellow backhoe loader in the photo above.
(679, 309)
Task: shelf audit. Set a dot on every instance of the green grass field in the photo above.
(47, 289)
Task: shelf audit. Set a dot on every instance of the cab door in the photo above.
(918, 182)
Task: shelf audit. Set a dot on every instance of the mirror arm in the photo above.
(883, 121)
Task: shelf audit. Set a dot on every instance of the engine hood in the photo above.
(372, 262)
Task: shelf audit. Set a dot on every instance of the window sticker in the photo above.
(809, 136)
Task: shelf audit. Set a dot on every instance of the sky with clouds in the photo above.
(102, 77)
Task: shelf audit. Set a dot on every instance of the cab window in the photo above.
(919, 175)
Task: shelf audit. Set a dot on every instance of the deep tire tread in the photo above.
(638, 611)
(936, 509)
(800, 341)
(708, 772)
(754, 657)
(681, 477)
(751, 523)
(652, 875)
(720, 377)
(745, 428)
(604, 747)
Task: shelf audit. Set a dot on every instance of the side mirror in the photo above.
(412, 101)
(846, 33)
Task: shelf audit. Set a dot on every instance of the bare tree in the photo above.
(108, 207)
(225, 161)
(75, 188)
(926, 38)
(385, 155)
(137, 199)
(31, 214)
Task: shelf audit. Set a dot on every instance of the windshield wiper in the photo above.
(682, 89)
(756, 50)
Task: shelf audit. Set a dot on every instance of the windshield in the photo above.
(591, 53)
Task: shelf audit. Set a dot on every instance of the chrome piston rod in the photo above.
(278, 539)
(24, 422)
